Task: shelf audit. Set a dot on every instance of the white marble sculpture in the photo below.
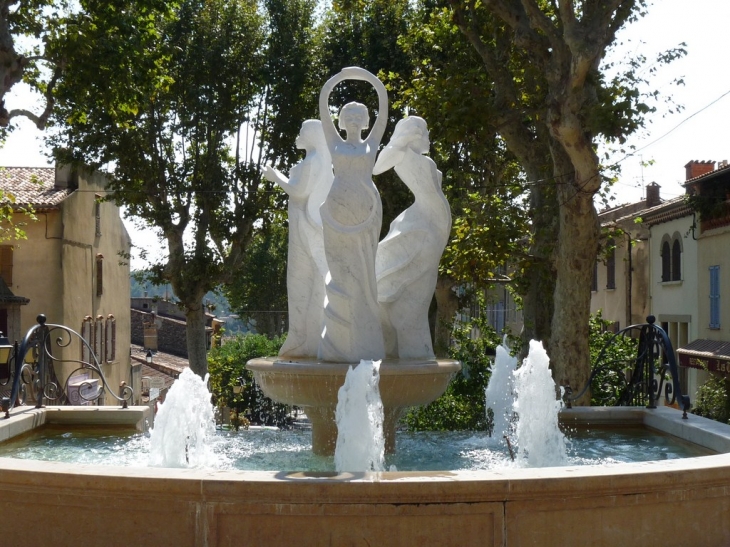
(351, 219)
(308, 184)
(407, 259)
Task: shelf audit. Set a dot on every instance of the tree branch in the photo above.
(41, 120)
(538, 20)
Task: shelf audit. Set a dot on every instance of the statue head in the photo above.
(411, 132)
(354, 117)
(311, 135)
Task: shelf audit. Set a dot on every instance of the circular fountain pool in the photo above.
(274, 450)
(650, 503)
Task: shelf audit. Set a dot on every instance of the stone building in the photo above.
(70, 267)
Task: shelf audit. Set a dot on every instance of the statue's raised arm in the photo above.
(353, 73)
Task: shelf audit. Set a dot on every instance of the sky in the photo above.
(698, 132)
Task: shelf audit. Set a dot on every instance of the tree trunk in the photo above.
(196, 339)
(575, 260)
(537, 300)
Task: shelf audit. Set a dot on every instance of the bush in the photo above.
(226, 365)
(461, 407)
(610, 380)
(713, 399)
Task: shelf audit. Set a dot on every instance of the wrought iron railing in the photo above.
(33, 366)
(647, 372)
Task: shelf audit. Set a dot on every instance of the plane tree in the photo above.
(180, 106)
(550, 96)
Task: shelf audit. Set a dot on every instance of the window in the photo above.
(99, 274)
(666, 262)
(611, 266)
(97, 213)
(676, 260)
(714, 297)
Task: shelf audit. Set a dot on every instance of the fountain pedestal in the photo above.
(313, 385)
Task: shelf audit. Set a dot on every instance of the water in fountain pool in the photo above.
(185, 436)
(275, 450)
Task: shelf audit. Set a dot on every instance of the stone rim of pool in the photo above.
(625, 504)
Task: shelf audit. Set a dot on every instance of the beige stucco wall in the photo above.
(37, 272)
(676, 302)
(614, 303)
(81, 246)
(714, 250)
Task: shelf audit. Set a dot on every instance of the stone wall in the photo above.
(171, 335)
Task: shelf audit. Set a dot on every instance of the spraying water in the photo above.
(540, 441)
(359, 416)
(183, 424)
(499, 393)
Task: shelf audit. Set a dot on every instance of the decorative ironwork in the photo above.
(646, 379)
(34, 368)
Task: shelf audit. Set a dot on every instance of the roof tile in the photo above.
(33, 186)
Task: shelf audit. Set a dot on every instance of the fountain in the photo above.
(652, 503)
(499, 393)
(359, 417)
(364, 299)
(540, 441)
(183, 424)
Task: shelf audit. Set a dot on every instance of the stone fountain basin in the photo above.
(658, 503)
(313, 386)
(310, 383)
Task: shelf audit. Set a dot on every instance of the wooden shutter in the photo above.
(714, 297)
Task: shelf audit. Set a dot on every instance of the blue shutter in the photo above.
(714, 297)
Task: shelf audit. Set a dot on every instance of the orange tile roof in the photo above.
(33, 186)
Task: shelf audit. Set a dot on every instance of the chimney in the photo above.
(66, 177)
(696, 168)
(652, 195)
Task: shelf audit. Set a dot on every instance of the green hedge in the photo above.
(226, 366)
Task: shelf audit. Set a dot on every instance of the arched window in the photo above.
(676, 260)
(666, 262)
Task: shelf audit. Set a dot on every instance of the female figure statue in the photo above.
(408, 257)
(308, 184)
(351, 219)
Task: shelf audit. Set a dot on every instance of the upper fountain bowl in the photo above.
(312, 385)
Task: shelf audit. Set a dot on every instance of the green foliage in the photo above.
(461, 407)
(713, 399)
(178, 97)
(226, 366)
(259, 295)
(618, 356)
(482, 180)
(712, 202)
(10, 227)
